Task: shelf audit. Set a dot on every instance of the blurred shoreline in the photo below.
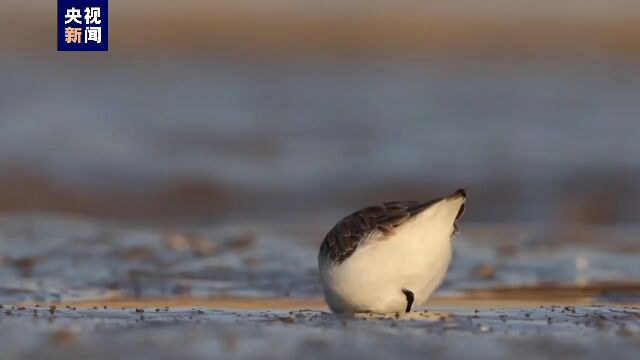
(191, 139)
(243, 109)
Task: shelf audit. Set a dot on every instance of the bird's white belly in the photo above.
(415, 258)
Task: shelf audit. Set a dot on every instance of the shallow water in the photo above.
(60, 259)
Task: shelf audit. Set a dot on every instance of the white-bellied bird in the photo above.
(389, 257)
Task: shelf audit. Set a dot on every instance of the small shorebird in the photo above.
(388, 257)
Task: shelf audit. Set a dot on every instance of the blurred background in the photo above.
(282, 113)
(254, 110)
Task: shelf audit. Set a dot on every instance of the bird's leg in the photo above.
(409, 295)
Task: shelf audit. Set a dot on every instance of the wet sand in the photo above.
(285, 328)
(87, 289)
(525, 323)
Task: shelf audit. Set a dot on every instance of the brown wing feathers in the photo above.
(344, 237)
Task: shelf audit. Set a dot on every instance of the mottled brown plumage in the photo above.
(343, 239)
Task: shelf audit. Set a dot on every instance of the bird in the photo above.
(389, 257)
